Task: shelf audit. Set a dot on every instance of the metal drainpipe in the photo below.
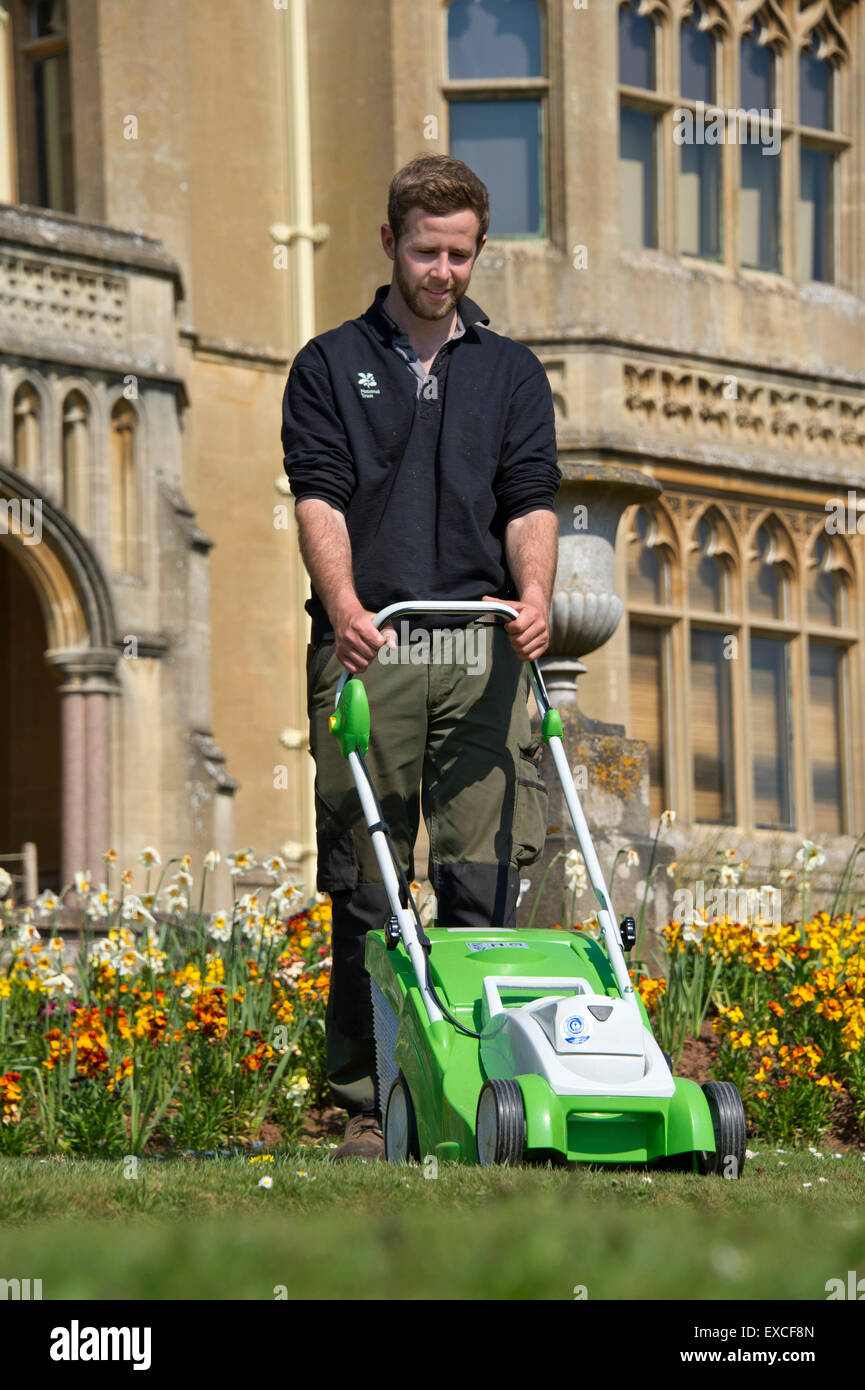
(8, 193)
(301, 237)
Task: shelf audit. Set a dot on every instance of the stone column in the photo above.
(86, 759)
(73, 792)
(98, 768)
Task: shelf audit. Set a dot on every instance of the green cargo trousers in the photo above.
(450, 737)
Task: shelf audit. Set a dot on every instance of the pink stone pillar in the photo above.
(96, 722)
(73, 790)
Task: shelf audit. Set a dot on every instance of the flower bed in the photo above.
(188, 1032)
(787, 1005)
(182, 1029)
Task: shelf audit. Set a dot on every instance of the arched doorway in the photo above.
(30, 760)
(57, 674)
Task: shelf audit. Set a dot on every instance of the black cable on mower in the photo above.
(424, 940)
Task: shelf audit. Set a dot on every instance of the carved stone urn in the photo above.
(586, 609)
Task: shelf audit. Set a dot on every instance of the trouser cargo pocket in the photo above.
(531, 806)
(337, 857)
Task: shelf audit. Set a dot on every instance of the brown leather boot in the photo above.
(363, 1138)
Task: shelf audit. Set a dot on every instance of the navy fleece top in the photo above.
(426, 477)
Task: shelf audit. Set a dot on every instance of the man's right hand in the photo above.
(358, 640)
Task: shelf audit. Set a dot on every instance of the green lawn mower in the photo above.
(499, 1046)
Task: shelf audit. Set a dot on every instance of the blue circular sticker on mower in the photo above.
(577, 1030)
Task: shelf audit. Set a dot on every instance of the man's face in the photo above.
(434, 260)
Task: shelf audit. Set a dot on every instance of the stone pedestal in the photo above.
(610, 770)
(611, 774)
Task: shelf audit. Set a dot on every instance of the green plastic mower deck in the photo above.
(443, 1071)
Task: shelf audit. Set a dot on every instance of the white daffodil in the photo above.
(241, 862)
(728, 875)
(135, 911)
(250, 902)
(632, 859)
(575, 871)
(265, 1182)
(183, 877)
(28, 936)
(59, 984)
(810, 856)
(83, 882)
(275, 865)
(102, 952)
(99, 903)
(150, 858)
(668, 817)
(787, 875)
(128, 963)
(5, 883)
(219, 927)
(671, 868)
(47, 903)
(288, 896)
(211, 859)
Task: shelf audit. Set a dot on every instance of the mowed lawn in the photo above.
(203, 1228)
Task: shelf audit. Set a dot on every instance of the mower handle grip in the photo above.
(480, 609)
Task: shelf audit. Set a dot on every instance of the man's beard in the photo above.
(418, 302)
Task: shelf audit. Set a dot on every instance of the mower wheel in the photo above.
(400, 1126)
(728, 1122)
(500, 1128)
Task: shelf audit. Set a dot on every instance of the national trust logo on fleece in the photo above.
(367, 385)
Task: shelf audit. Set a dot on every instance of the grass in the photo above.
(192, 1228)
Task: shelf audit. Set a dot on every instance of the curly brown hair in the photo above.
(439, 184)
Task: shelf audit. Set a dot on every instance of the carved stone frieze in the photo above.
(732, 408)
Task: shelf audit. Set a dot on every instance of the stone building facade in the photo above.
(190, 192)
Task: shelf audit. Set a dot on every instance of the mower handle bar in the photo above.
(455, 606)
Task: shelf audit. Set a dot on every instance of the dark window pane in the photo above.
(759, 208)
(637, 177)
(756, 75)
(826, 736)
(815, 85)
(711, 728)
(54, 151)
(697, 62)
(494, 38)
(706, 588)
(647, 706)
(824, 587)
(47, 18)
(771, 734)
(647, 566)
(636, 49)
(700, 201)
(815, 214)
(501, 142)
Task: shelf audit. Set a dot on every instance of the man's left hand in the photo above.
(529, 633)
